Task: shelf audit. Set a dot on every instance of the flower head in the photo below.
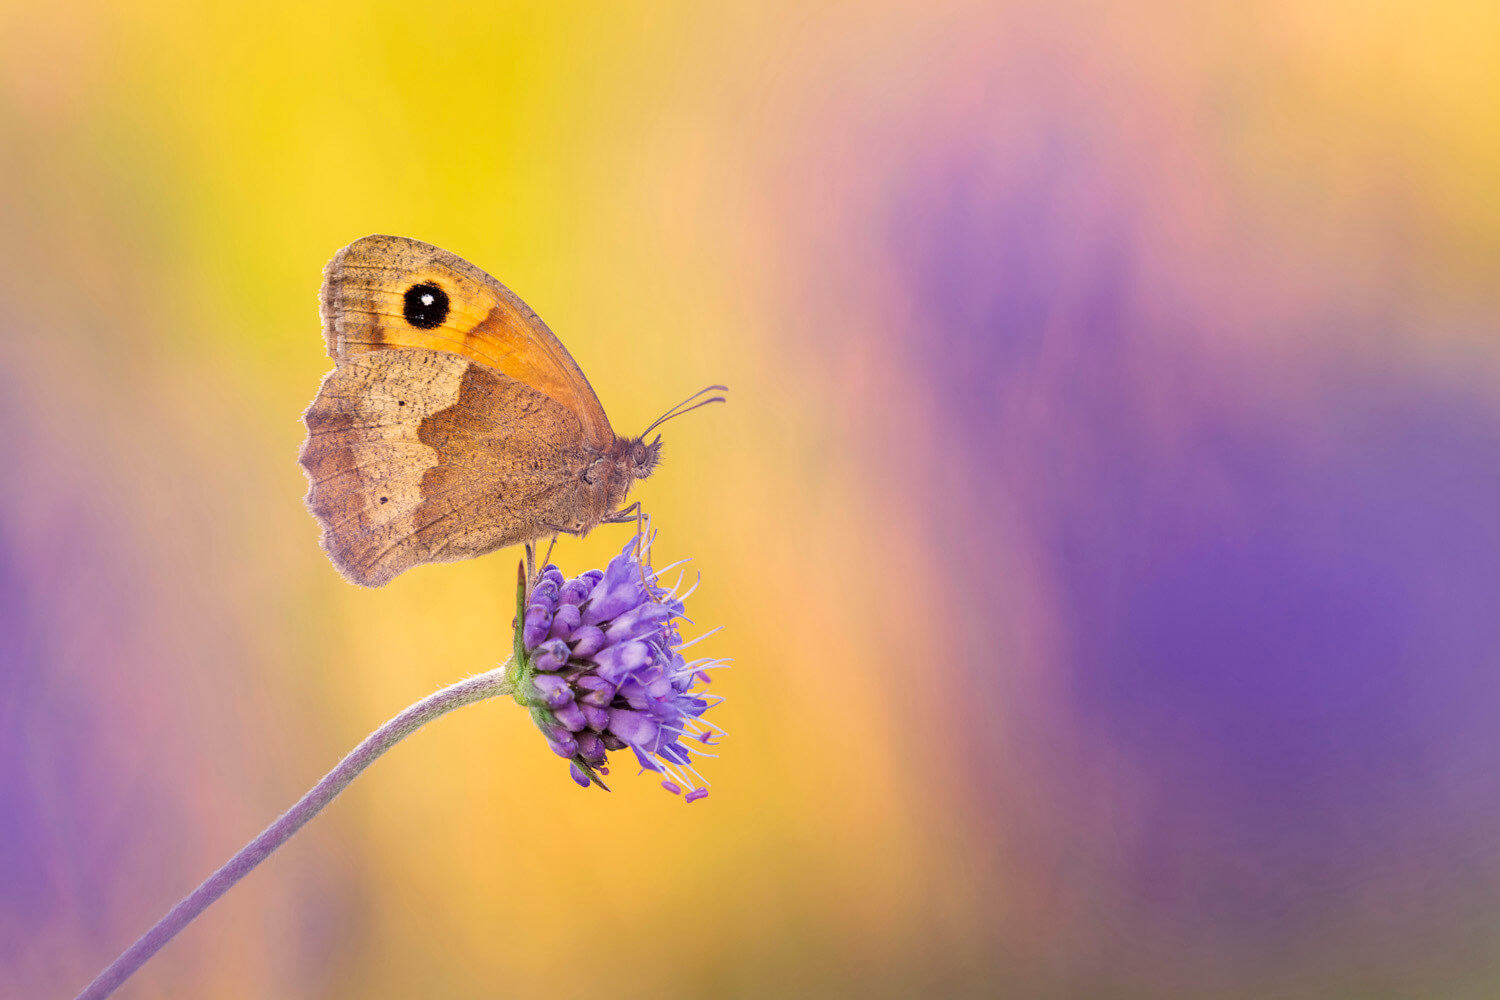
(599, 664)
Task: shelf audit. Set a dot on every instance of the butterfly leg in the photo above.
(530, 566)
(642, 526)
(625, 515)
(642, 533)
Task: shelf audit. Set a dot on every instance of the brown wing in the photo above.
(418, 456)
(384, 292)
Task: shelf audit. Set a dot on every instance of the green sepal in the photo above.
(520, 670)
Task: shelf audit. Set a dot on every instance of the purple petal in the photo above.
(542, 603)
(564, 748)
(634, 694)
(647, 761)
(595, 690)
(552, 690)
(664, 711)
(591, 747)
(564, 622)
(587, 640)
(639, 622)
(635, 729)
(578, 775)
(618, 591)
(575, 592)
(538, 621)
(615, 662)
(597, 718)
(554, 731)
(551, 655)
(570, 715)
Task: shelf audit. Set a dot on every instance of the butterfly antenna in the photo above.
(679, 410)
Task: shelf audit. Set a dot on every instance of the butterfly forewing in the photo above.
(386, 292)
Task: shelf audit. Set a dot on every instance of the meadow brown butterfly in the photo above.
(454, 422)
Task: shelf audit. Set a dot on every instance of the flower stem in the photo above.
(487, 685)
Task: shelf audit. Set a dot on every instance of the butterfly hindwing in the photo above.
(418, 456)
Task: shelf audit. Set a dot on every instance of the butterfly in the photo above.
(454, 422)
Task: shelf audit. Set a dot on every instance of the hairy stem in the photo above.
(487, 685)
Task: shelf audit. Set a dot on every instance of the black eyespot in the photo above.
(384, 499)
(400, 402)
(426, 305)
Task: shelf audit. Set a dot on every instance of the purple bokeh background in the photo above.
(1271, 561)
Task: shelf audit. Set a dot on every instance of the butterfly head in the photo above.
(643, 456)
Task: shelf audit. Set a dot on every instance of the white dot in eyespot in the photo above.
(427, 299)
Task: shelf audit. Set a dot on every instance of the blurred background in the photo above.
(1104, 522)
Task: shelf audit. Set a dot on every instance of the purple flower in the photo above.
(599, 664)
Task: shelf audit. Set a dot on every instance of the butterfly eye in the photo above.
(426, 305)
(638, 453)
